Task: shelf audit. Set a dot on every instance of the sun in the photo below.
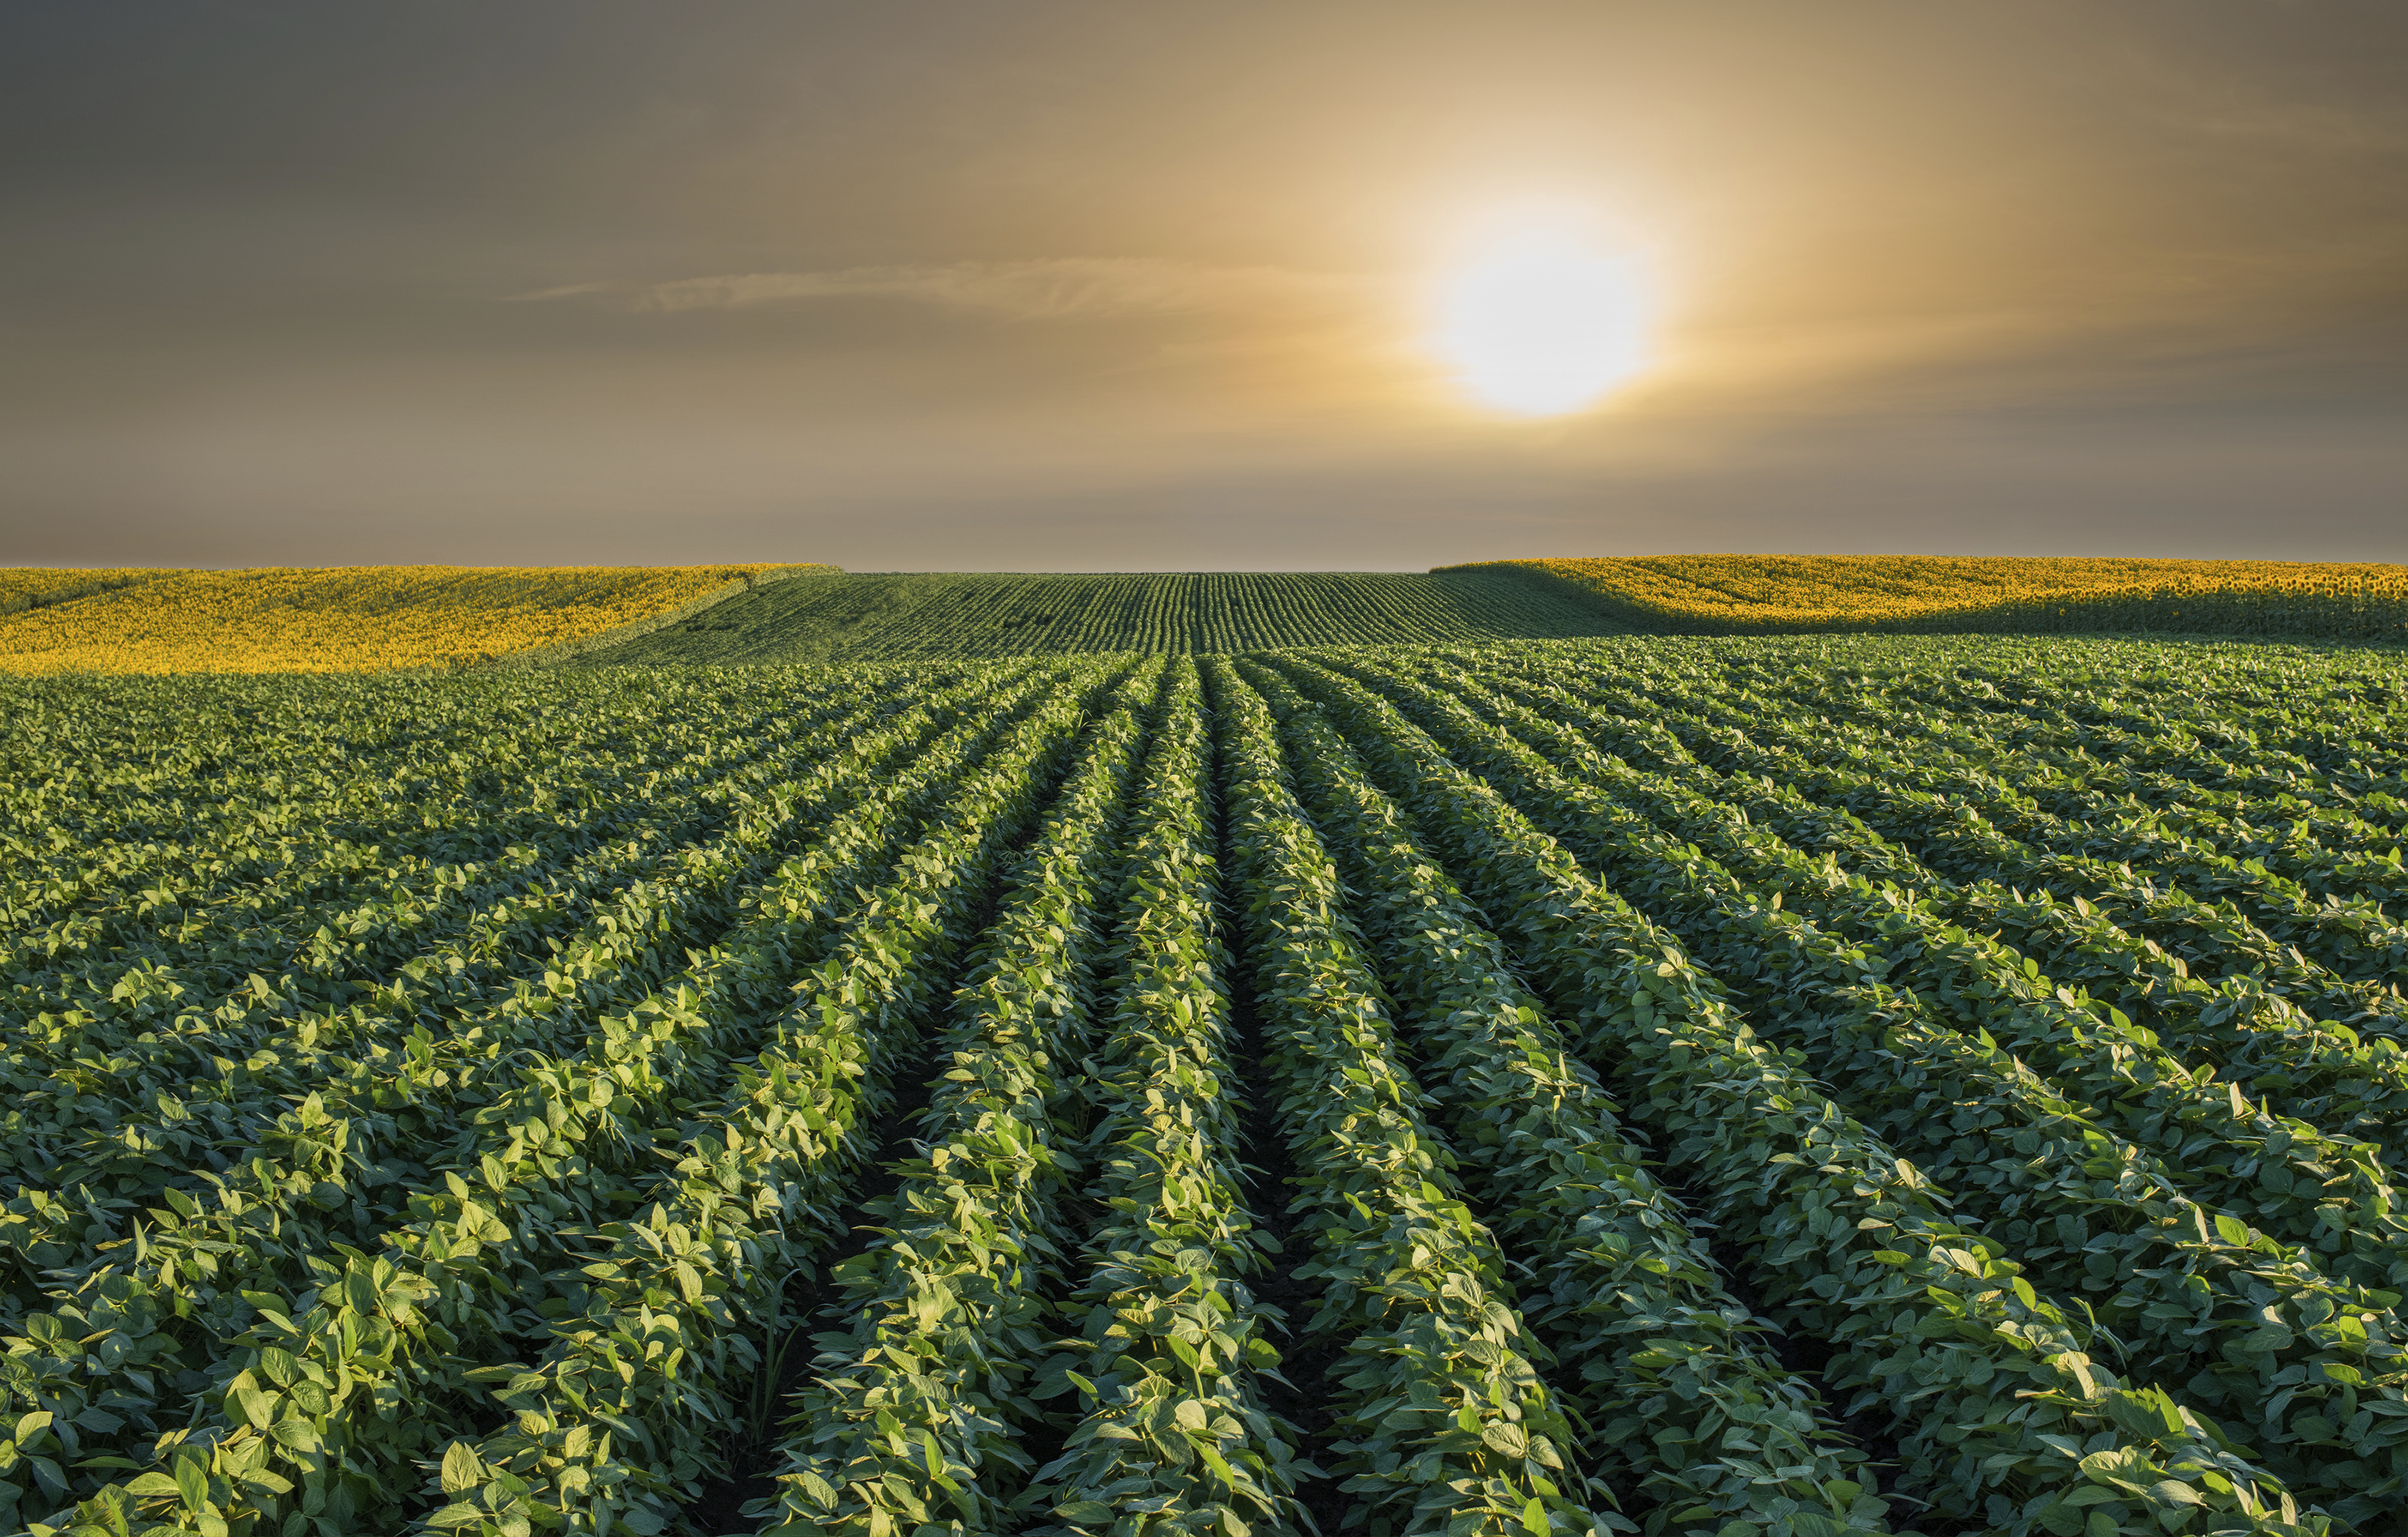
(1539, 323)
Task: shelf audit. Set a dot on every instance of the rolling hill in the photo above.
(865, 617)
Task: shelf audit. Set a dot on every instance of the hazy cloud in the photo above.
(1057, 288)
(2313, 128)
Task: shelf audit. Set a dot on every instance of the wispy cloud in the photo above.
(1066, 288)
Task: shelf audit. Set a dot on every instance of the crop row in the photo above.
(534, 1121)
(1444, 1091)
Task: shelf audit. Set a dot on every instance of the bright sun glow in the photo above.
(1539, 323)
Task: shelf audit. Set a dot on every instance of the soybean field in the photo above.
(851, 616)
(1749, 1088)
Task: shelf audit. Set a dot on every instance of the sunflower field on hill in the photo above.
(341, 618)
(37, 587)
(1765, 594)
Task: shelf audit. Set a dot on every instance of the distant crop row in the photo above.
(337, 619)
(1763, 594)
(926, 617)
(1773, 1087)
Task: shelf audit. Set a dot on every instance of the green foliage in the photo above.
(912, 1405)
(2086, 1202)
(554, 1151)
(108, 1104)
(1741, 1088)
(676, 1288)
(1671, 1371)
(893, 618)
(2014, 1421)
(1445, 1424)
(1166, 1345)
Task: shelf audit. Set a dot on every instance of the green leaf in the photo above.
(1214, 1459)
(462, 1468)
(458, 1514)
(193, 1482)
(2173, 1491)
(1504, 1438)
(258, 1408)
(2061, 1520)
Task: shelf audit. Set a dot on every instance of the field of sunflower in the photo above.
(1776, 594)
(344, 618)
(26, 588)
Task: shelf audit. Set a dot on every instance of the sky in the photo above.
(1062, 285)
